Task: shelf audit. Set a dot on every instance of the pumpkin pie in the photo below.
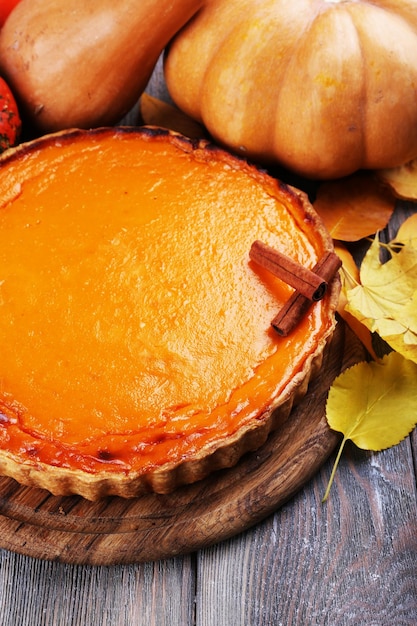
(136, 347)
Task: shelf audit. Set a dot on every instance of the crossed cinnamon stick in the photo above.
(309, 285)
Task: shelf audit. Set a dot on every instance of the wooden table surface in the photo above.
(349, 562)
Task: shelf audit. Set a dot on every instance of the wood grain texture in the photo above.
(349, 562)
(44, 593)
(114, 530)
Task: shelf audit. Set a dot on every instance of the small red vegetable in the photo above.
(10, 122)
(6, 7)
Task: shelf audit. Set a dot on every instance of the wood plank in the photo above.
(350, 562)
(35, 592)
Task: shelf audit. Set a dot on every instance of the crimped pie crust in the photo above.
(136, 348)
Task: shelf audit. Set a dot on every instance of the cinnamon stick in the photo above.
(305, 281)
(297, 305)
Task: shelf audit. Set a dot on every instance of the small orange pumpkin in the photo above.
(6, 7)
(324, 87)
(10, 123)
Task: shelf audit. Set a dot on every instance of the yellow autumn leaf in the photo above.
(402, 180)
(354, 207)
(373, 404)
(407, 233)
(350, 278)
(385, 301)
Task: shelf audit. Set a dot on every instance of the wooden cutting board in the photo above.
(116, 531)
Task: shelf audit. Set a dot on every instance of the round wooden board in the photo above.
(116, 531)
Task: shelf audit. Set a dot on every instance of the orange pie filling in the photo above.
(134, 330)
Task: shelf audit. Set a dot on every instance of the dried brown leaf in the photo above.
(155, 112)
(402, 180)
(354, 207)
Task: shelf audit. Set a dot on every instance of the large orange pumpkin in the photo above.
(324, 87)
